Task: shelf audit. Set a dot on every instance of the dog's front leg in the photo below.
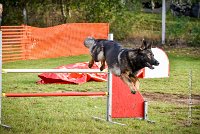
(128, 81)
(135, 81)
(91, 62)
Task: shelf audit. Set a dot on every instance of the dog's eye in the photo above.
(149, 56)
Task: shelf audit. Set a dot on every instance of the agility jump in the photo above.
(117, 104)
(117, 95)
(115, 100)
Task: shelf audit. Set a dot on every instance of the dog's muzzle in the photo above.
(156, 63)
(150, 65)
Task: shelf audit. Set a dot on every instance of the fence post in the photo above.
(1, 83)
(1, 10)
(163, 21)
(190, 99)
(0, 76)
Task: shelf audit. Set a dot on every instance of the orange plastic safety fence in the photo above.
(13, 41)
(62, 40)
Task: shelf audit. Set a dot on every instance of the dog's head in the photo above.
(145, 56)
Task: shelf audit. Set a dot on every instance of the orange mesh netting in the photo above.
(57, 41)
(63, 40)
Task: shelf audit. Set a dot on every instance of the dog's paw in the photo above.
(90, 65)
(133, 91)
(102, 68)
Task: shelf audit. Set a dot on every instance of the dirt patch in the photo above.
(172, 98)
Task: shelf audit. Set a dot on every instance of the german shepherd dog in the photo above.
(122, 62)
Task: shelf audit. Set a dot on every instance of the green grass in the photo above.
(178, 81)
(74, 114)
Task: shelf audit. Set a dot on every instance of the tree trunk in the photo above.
(62, 6)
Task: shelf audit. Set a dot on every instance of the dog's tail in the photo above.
(89, 41)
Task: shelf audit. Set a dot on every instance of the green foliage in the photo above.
(184, 28)
(195, 36)
(178, 29)
(125, 18)
(12, 12)
(122, 26)
(48, 13)
(117, 13)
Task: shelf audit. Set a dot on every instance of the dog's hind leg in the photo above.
(91, 62)
(128, 81)
(102, 65)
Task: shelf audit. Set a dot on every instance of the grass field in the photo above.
(65, 115)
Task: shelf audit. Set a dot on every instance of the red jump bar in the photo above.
(54, 94)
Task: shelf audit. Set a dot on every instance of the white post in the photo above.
(163, 21)
(109, 98)
(190, 100)
(1, 10)
(110, 36)
(1, 124)
(145, 110)
(0, 76)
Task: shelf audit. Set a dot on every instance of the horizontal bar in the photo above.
(15, 42)
(13, 29)
(54, 94)
(10, 33)
(5, 126)
(97, 118)
(13, 36)
(12, 39)
(13, 55)
(12, 26)
(12, 59)
(53, 71)
(12, 52)
(12, 49)
(11, 45)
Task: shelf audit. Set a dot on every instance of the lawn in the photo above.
(167, 102)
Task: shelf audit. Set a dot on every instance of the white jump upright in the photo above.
(109, 98)
(6, 126)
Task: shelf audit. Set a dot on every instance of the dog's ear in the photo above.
(149, 45)
(145, 45)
